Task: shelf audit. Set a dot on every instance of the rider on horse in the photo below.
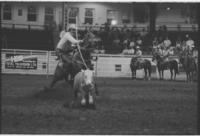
(138, 55)
(64, 49)
(189, 46)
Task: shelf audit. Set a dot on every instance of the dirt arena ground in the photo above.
(123, 107)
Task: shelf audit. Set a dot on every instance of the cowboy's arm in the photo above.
(72, 39)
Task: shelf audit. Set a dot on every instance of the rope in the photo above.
(79, 46)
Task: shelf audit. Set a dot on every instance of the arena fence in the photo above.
(36, 62)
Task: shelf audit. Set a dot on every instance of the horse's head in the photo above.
(88, 79)
(157, 57)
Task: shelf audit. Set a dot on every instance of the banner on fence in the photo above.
(20, 62)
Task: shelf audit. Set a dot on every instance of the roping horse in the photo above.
(63, 70)
(162, 65)
(145, 64)
(189, 65)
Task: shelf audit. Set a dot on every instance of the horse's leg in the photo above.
(135, 74)
(149, 70)
(171, 71)
(162, 74)
(132, 74)
(159, 74)
(58, 75)
(175, 74)
(145, 71)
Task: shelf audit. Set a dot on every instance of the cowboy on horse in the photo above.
(138, 56)
(64, 49)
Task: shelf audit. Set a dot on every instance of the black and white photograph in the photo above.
(100, 67)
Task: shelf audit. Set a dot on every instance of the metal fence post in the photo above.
(47, 65)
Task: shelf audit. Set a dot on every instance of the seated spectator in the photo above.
(143, 33)
(132, 43)
(167, 43)
(128, 51)
(178, 45)
(125, 51)
(139, 41)
(155, 43)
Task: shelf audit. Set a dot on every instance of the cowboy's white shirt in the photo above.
(66, 37)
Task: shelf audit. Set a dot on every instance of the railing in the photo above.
(22, 26)
(104, 64)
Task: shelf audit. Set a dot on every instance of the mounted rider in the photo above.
(189, 45)
(138, 55)
(64, 49)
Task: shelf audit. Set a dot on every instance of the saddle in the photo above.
(138, 63)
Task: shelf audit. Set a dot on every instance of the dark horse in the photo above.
(145, 64)
(189, 65)
(63, 70)
(162, 65)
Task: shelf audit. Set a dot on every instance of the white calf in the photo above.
(84, 83)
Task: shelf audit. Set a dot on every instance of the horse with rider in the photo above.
(161, 53)
(138, 63)
(188, 56)
(73, 59)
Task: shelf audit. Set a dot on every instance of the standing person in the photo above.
(65, 46)
(89, 38)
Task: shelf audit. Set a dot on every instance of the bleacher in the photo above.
(27, 39)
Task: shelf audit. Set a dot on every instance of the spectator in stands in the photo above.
(143, 33)
(167, 43)
(131, 51)
(89, 38)
(178, 45)
(133, 34)
(155, 42)
(139, 41)
(65, 46)
(125, 51)
(132, 42)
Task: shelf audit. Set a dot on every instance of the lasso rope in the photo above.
(79, 46)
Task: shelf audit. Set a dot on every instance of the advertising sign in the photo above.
(20, 62)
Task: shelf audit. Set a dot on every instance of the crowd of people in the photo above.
(115, 40)
(164, 47)
(128, 41)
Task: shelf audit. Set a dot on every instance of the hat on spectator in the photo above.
(137, 47)
(72, 26)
